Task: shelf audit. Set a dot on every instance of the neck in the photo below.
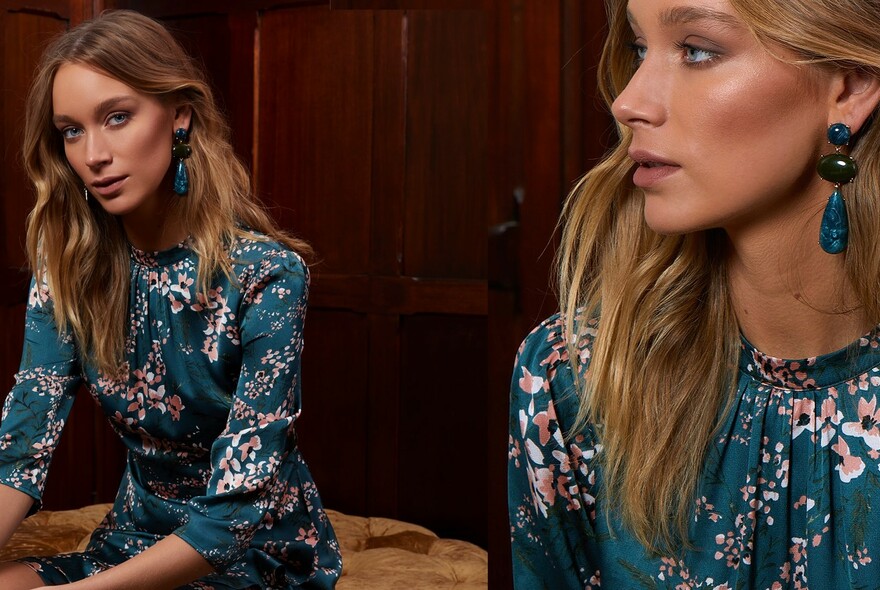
(154, 228)
(792, 300)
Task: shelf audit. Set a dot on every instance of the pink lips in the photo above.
(109, 185)
(652, 168)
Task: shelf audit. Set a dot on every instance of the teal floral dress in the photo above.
(788, 499)
(206, 410)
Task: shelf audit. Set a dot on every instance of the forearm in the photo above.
(14, 505)
(168, 564)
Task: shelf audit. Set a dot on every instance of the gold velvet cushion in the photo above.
(377, 553)
(48, 532)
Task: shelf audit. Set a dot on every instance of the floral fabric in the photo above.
(788, 498)
(206, 409)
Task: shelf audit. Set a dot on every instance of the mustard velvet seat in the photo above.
(377, 553)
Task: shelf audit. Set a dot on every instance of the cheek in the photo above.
(762, 130)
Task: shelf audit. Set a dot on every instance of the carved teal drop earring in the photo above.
(181, 151)
(838, 169)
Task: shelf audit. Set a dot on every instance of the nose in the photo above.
(98, 152)
(643, 101)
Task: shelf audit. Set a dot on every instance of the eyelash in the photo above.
(66, 130)
(636, 49)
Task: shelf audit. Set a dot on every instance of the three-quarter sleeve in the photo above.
(547, 509)
(257, 474)
(37, 407)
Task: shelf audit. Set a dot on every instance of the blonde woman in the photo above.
(161, 285)
(704, 411)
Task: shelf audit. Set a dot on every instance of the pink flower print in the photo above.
(542, 421)
(175, 405)
(830, 417)
(310, 537)
(138, 406)
(155, 399)
(803, 417)
(182, 286)
(529, 383)
(849, 467)
(249, 447)
(229, 462)
(543, 483)
(866, 427)
(210, 349)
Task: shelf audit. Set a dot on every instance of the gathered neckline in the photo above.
(162, 257)
(817, 372)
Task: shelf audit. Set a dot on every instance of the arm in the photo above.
(168, 564)
(35, 411)
(546, 508)
(15, 506)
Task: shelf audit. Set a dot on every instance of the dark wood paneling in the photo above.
(389, 144)
(447, 105)
(442, 461)
(22, 37)
(315, 130)
(334, 424)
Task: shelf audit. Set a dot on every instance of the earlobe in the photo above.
(857, 97)
(182, 117)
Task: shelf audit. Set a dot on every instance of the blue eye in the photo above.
(71, 132)
(117, 118)
(639, 52)
(696, 56)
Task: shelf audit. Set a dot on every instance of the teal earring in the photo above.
(838, 169)
(181, 151)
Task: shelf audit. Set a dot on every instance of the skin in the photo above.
(746, 130)
(111, 130)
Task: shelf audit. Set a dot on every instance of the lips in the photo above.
(108, 185)
(652, 168)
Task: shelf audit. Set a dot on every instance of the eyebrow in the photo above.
(682, 15)
(104, 105)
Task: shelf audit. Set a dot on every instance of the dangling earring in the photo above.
(86, 193)
(839, 169)
(181, 151)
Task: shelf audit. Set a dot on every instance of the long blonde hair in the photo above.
(79, 249)
(663, 366)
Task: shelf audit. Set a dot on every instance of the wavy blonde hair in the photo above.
(663, 366)
(80, 250)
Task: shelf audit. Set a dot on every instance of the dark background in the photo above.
(389, 134)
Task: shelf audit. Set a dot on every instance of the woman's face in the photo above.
(117, 140)
(723, 132)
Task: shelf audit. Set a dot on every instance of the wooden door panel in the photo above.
(315, 130)
(447, 165)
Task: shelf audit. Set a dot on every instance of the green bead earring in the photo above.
(838, 169)
(181, 151)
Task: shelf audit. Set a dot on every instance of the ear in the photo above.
(855, 95)
(182, 117)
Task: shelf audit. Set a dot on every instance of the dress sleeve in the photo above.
(546, 508)
(257, 473)
(36, 409)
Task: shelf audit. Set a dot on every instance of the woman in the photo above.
(658, 438)
(163, 286)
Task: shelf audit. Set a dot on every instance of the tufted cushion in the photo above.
(377, 553)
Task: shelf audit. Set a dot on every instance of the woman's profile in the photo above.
(703, 411)
(160, 284)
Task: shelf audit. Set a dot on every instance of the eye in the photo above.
(639, 52)
(695, 55)
(117, 119)
(69, 133)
